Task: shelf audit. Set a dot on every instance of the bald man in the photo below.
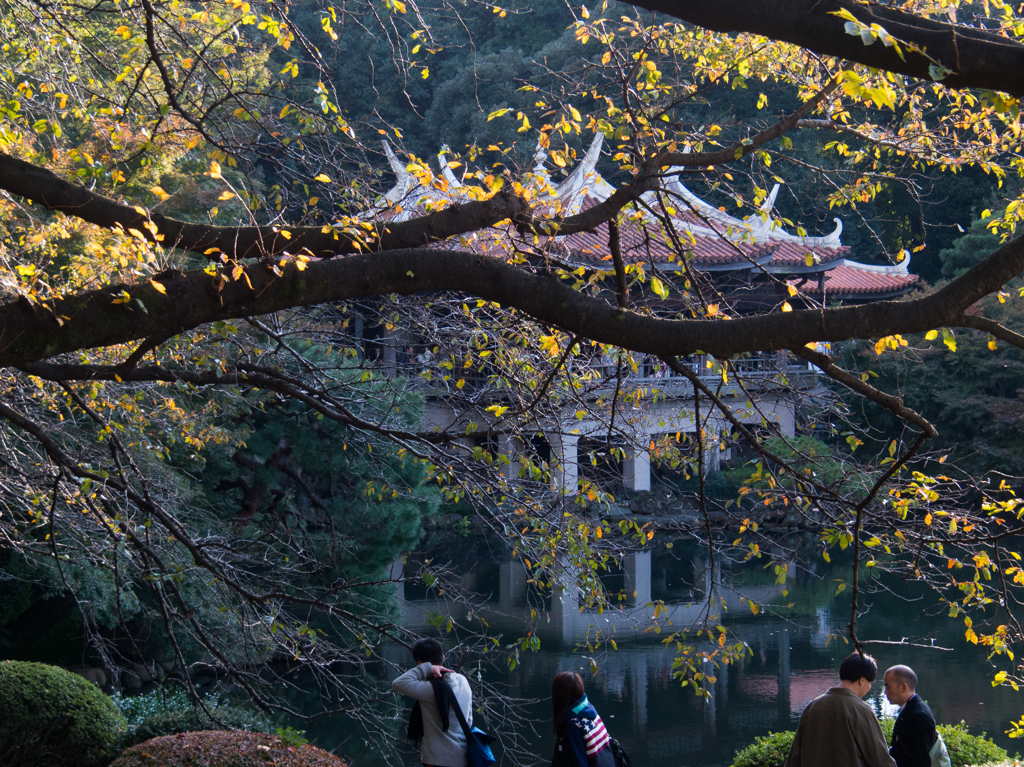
(914, 733)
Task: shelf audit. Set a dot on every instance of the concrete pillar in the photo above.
(638, 684)
(357, 333)
(638, 577)
(722, 686)
(712, 433)
(564, 450)
(565, 605)
(395, 573)
(636, 469)
(710, 709)
(509, 447)
(511, 585)
(784, 701)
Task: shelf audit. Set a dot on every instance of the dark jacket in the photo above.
(913, 734)
(581, 739)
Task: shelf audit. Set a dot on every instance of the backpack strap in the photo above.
(454, 703)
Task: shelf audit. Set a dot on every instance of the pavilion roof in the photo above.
(712, 239)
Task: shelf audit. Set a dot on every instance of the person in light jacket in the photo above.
(432, 723)
(838, 729)
(580, 737)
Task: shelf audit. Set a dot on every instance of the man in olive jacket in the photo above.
(838, 729)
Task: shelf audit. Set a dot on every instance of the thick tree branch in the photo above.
(991, 327)
(239, 243)
(893, 404)
(189, 299)
(978, 58)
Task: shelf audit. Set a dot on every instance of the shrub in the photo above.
(768, 750)
(224, 749)
(168, 712)
(52, 718)
(964, 749)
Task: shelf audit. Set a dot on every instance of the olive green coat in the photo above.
(838, 729)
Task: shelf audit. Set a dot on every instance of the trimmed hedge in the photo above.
(53, 718)
(224, 749)
(964, 749)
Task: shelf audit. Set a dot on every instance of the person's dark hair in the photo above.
(428, 651)
(566, 689)
(856, 666)
(904, 675)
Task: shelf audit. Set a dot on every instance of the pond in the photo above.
(795, 646)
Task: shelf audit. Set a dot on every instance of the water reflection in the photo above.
(794, 650)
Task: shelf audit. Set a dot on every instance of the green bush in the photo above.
(768, 750)
(52, 718)
(168, 712)
(964, 749)
(224, 749)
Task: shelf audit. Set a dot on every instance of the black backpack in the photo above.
(619, 753)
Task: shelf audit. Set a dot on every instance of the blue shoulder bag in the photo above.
(478, 742)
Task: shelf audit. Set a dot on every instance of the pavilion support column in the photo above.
(565, 452)
(638, 577)
(636, 469)
(509, 448)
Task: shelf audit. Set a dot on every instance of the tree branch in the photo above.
(978, 58)
(91, 319)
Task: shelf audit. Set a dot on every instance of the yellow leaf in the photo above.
(425, 73)
(314, 200)
(786, 307)
(323, 177)
(158, 287)
(226, 196)
(792, 291)
(215, 169)
(931, 335)
(659, 287)
(160, 193)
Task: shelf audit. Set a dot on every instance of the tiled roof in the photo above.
(849, 280)
(716, 240)
(642, 243)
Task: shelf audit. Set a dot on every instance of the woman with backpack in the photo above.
(580, 737)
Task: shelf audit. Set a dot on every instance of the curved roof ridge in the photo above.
(569, 191)
(903, 267)
(405, 183)
(446, 171)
